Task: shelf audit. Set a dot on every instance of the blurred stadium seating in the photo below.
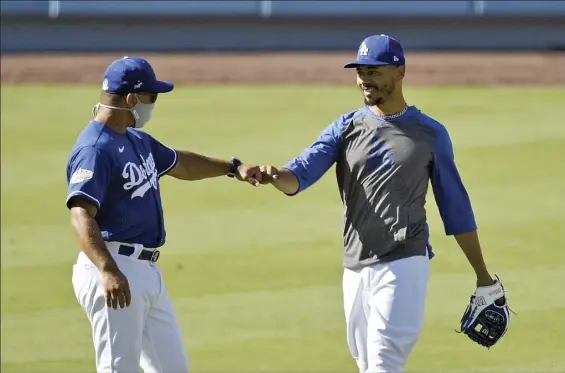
(258, 25)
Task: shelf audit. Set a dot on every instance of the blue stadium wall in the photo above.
(83, 26)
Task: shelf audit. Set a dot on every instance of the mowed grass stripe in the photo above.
(255, 268)
(193, 232)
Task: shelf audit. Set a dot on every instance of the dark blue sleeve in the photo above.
(315, 160)
(450, 194)
(165, 158)
(88, 175)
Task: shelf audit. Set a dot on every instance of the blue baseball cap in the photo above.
(133, 75)
(378, 50)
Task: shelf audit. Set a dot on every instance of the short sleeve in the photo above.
(88, 175)
(166, 158)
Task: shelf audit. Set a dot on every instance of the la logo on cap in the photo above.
(105, 84)
(363, 50)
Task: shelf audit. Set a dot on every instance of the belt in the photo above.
(150, 255)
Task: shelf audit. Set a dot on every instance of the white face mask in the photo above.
(141, 112)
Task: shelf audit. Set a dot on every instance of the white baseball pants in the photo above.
(146, 334)
(384, 309)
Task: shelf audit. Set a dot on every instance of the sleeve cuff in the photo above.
(297, 179)
(175, 161)
(84, 195)
(454, 232)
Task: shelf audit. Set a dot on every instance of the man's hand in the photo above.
(116, 288)
(284, 180)
(269, 173)
(249, 173)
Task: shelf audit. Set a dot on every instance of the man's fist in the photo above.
(268, 173)
(251, 174)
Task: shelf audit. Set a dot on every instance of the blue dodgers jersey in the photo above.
(119, 174)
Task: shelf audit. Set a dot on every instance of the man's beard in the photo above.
(373, 101)
(387, 92)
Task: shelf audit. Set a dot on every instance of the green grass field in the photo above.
(254, 276)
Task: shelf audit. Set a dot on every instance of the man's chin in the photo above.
(372, 101)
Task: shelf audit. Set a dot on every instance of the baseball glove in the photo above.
(487, 316)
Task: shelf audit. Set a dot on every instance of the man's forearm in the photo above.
(197, 167)
(286, 182)
(469, 243)
(91, 241)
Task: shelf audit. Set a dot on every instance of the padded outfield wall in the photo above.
(31, 26)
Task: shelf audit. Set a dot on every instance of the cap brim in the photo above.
(162, 87)
(364, 63)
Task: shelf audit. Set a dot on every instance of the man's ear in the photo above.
(401, 72)
(131, 100)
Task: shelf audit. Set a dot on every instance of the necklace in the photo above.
(392, 116)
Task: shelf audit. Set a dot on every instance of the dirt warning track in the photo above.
(435, 68)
